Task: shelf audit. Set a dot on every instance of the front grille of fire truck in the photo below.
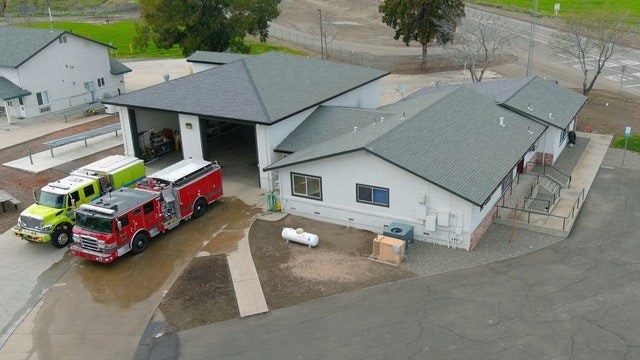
(31, 222)
(90, 243)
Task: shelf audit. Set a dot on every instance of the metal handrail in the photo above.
(544, 171)
(576, 205)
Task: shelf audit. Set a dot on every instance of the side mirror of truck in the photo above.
(119, 225)
(35, 195)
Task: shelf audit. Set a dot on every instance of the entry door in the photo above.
(521, 166)
(22, 112)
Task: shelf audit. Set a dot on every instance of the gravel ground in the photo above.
(429, 259)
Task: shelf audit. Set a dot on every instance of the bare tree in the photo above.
(481, 40)
(592, 40)
(328, 31)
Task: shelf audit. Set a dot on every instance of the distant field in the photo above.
(545, 7)
(120, 34)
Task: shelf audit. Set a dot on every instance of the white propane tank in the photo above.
(299, 236)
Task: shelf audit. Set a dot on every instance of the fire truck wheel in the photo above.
(139, 243)
(199, 208)
(61, 236)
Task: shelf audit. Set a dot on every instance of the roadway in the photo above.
(577, 299)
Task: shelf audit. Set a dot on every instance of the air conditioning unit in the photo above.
(388, 249)
(399, 231)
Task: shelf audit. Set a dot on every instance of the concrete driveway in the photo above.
(577, 299)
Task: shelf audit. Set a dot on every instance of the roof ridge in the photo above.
(255, 89)
(520, 89)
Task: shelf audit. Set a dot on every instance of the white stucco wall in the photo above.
(366, 96)
(339, 178)
(62, 70)
(270, 136)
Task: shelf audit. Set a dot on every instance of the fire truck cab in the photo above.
(123, 221)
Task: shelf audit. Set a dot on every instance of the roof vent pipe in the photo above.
(355, 128)
(502, 121)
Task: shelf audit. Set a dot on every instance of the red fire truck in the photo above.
(123, 221)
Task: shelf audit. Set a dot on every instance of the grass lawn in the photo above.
(120, 34)
(632, 144)
(545, 7)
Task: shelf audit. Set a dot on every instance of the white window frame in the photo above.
(306, 179)
(42, 97)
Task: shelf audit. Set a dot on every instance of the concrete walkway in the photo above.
(62, 154)
(562, 217)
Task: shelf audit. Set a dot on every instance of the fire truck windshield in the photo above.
(51, 200)
(93, 223)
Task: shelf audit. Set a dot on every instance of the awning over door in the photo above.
(9, 90)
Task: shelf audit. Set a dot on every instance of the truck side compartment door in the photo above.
(150, 214)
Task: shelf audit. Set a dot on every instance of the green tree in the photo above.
(211, 25)
(422, 20)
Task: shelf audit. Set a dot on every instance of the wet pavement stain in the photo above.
(101, 310)
(223, 243)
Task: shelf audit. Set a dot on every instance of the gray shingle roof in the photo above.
(117, 67)
(456, 143)
(19, 44)
(9, 90)
(345, 143)
(264, 88)
(547, 101)
(500, 89)
(519, 94)
(216, 58)
(326, 123)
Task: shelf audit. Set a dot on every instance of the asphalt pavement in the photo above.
(576, 299)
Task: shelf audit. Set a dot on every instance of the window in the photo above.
(74, 198)
(148, 207)
(100, 82)
(9, 103)
(89, 190)
(43, 98)
(372, 195)
(62, 39)
(506, 182)
(563, 135)
(306, 186)
(124, 220)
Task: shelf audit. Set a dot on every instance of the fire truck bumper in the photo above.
(31, 235)
(93, 255)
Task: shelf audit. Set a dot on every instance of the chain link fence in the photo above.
(394, 63)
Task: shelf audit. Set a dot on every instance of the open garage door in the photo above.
(233, 146)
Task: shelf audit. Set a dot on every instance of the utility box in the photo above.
(388, 249)
(400, 231)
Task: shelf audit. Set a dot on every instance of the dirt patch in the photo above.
(292, 273)
(203, 294)
(610, 113)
